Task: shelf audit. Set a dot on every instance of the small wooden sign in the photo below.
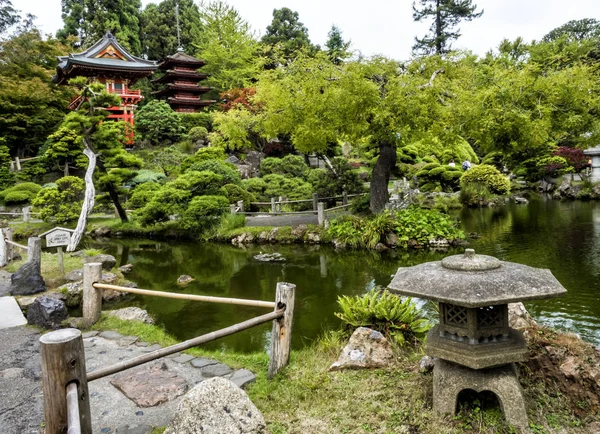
(58, 237)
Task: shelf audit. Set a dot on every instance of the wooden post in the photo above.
(12, 166)
(18, 163)
(315, 201)
(281, 337)
(240, 205)
(63, 362)
(344, 198)
(321, 214)
(34, 250)
(273, 209)
(92, 297)
(61, 263)
(10, 249)
(280, 203)
(26, 213)
(3, 248)
(232, 208)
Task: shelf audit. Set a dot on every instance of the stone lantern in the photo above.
(475, 347)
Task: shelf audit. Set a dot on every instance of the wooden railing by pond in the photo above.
(7, 248)
(64, 377)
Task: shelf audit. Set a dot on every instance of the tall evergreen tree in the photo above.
(575, 30)
(88, 20)
(286, 35)
(446, 15)
(337, 48)
(159, 27)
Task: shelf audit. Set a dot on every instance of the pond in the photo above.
(561, 236)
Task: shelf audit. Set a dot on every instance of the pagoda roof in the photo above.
(171, 73)
(191, 88)
(190, 101)
(180, 58)
(106, 56)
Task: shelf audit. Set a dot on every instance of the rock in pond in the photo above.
(367, 349)
(127, 268)
(269, 257)
(47, 312)
(184, 279)
(107, 261)
(217, 406)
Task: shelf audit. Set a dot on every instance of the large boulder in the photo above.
(217, 406)
(253, 159)
(73, 292)
(47, 312)
(107, 261)
(367, 349)
(132, 314)
(27, 280)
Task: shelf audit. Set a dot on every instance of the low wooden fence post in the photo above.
(344, 198)
(3, 248)
(321, 214)
(92, 297)
(315, 201)
(281, 336)
(232, 208)
(34, 250)
(240, 205)
(280, 203)
(273, 206)
(63, 362)
(26, 213)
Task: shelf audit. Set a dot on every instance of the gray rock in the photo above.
(217, 406)
(73, 292)
(183, 358)
(253, 159)
(201, 363)
(47, 312)
(391, 239)
(242, 377)
(299, 231)
(184, 280)
(367, 349)
(520, 200)
(151, 348)
(74, 275)
(111, 335)
(90, 334)
(269, 257)
(102, 231)
(232, 159)
(380, 247)
(150, 385)
(125, 341)
(107, 261)
(314, 238)
(518, 317)
(109, 278)
(27, 280)
(132, 314)
(245, 170)
(218, 370)
(127, 268)
(426, 364)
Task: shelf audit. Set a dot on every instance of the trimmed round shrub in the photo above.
(198, 133)
(203, 212)
(256, 186)
(142, 194)
(203, 154)
(16, 197)
(488, 176)
(292, 188)
(146, 175)
(20, 193)
(235, 193)
(227, 171)
(292, 165)
(63, 202)
(199, 183)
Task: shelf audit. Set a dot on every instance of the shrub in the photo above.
(197, 134)
(291, 165)
(142, 194)
(20, 193)
(203, 154)
(292, 188)
(199, 183)
(167, 201)
(487, 175)
(235, 193)
(6, 176)
(326, 183)
(63, 202)
(146, 175)
(158, 123)
(385, 312)
(424, 225)
(203, 212)
(226, 170)
(256, 186)
(191, 120)
(475, 194)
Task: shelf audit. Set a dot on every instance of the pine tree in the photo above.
(286, 35)
(446, 14)
(8, 15)
(337, 48)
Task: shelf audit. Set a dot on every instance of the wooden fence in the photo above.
(7, 248)
(25, 213)
(64, 377)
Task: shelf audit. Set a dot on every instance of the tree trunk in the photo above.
(381, 176)
(438, 29)
(114, 195)
(66, 169)
(88, 200)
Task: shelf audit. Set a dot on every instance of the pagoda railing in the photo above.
(126, 92)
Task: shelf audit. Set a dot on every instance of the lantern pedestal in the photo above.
(449, 379)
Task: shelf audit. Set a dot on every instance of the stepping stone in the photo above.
(88, 344)
(201, 363)
(184, 358)
(111, 335)
(90, 334)
(150, 385)
(142, 343)
(151, 348)
(218, 370)
(172, 356)
(125, 341)
(242, 377)
(10, 313)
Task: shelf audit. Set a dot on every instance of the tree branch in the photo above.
(430, 82)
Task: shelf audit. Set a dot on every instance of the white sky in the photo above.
(386, 26)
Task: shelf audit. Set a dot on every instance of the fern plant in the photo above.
(397, 318)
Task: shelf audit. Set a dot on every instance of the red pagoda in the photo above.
(107, 62)
(182, 91)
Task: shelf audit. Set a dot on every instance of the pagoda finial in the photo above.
(179, 47)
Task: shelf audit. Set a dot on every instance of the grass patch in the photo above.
(49, 267)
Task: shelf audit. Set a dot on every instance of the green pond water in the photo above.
(564, 237)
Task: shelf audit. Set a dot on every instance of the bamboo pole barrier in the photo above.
(73, 423)
(206, 298)
(12, 243)
(126, 364)
(337, 207)
(281, 336)
(279, 213)
(63, 362)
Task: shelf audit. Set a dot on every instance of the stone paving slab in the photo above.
(10, 313)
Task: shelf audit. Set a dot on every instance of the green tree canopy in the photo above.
(9, 16)
(159, 27)
(575, 30)
(286, 35)
(158, 123)
(446, 15)
(337, 48)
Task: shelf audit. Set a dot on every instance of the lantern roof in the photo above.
(472, 280)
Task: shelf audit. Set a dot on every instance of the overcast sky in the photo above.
(385, 26)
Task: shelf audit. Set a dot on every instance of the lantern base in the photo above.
(449, 379)
(511, 349)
